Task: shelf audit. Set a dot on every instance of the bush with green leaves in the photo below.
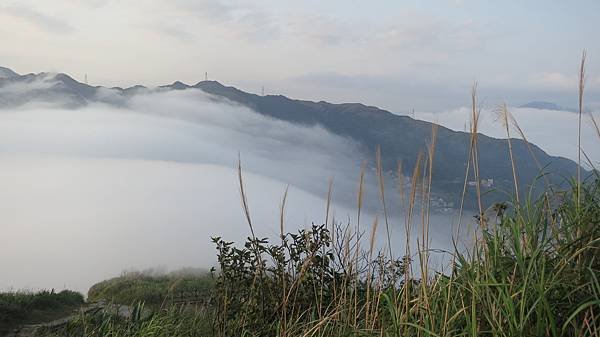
(265, 287)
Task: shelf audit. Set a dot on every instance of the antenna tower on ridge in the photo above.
(206, 76)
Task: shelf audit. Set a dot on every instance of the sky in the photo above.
(398, 55)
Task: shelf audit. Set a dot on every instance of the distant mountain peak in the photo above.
(201, 84)
(177, 85)
(7, 73)
(210, 84)
(542, 105)
(64, 77)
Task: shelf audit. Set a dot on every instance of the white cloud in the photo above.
(44, 22)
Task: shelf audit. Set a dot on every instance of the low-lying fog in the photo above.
(87, 193)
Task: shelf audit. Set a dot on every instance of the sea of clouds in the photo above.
(88, 192)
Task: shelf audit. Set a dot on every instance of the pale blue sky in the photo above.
(395, 54)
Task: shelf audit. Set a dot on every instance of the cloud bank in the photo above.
(92, 191)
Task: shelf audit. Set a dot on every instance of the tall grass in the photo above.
(152, 288)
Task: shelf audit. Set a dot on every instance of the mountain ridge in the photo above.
(6, 72)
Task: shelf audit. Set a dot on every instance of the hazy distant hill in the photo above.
(5, 73)
(544, 106)
(401, 138)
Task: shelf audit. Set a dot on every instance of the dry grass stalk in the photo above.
(517, 127)
(327, 211)
(595, 124)
(243, 196)
(328, 207)
(589, 161)
(361, 186)
(431, 155)
(464, 191)
(382, 198)
(475, 113)
(580, 101)
(408, 228)
(470, 158)
(413, 191)
(283, 279)
(246, 208)
(370, 270)
(505, 117)
(401, 191)
(427, 182)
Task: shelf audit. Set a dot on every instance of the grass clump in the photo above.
(165, 322)
(33, 307)
(154, 289)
